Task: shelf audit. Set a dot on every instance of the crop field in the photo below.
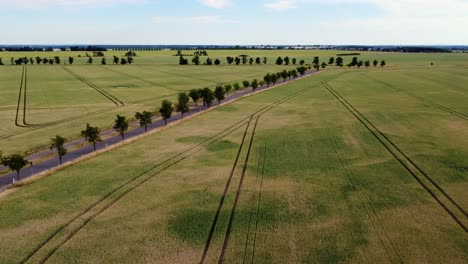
(36, 101)
(355, 166)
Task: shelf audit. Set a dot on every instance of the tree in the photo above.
(39, 60)
(273, 78)
(144, 119)
(339, 61)
(254, 85)
(261, 83)
(58, 143)
(15, 162)
(45, 61)
(209, 61)
(116, 60)
(383, 63)
(251, 61)
(123, 61)
(236, 86)
(121, 125)
(284, 75)
(91, 134)
(286, 60)
(219, 93)
(267, 79)
(316, 60)
(301, 62)
(90, 60)
(331, 61)
(360, 64)
(294, 61)
(238, 60)
(103, 61)
(130, 60)
(208, 97)
(301, 70)
(195, 95)
(57, 60)
(246, 84)
(265, 60)
(244, 59)
(217, 62)
(196, 60)
(354, 62)
(324, 65)
(166, 110)
(375, 63)
(229, 59)
(182, 104)
(294, 74)
(367, 63)
(227, 88)
(182, 60)
(279, 61)
(70, 60)
(258, 60)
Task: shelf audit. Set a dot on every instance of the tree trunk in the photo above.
(17, 175)
(94, 145)
(60, 159)
(122, 134)
(165, 121)
(146, 128)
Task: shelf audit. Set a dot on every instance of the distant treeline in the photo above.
(75, 48)
(349, 54)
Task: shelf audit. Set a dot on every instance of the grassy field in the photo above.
(362, 166)
(64, 98)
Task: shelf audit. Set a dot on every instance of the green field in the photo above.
(66, 97)
(355, 166)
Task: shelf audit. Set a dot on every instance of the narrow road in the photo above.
(29, 171)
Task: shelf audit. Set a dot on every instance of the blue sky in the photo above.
(234, 22)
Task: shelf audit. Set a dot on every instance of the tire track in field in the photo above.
(81, 218)
(420, 98)
(254, 245)
(223, 196)
(140, 79)
(248, 236)
(257, 114)
(365, 200)
(236, 199)
(425, 181)
(20, 95)
(112, 98)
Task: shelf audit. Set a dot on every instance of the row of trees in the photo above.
(280, 61)
(71, 60)
(121, 124)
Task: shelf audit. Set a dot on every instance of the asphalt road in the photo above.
(134, 130)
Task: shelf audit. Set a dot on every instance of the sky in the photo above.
(235, 22)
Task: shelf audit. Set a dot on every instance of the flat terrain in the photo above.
(38, 100)
(356, 166)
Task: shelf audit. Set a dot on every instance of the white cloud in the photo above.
(217, 3)
(282, 5)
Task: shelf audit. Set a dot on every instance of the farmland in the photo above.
(358, 166)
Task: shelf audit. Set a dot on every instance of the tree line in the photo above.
(56, 60)
(207, 96)
(244, 59)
